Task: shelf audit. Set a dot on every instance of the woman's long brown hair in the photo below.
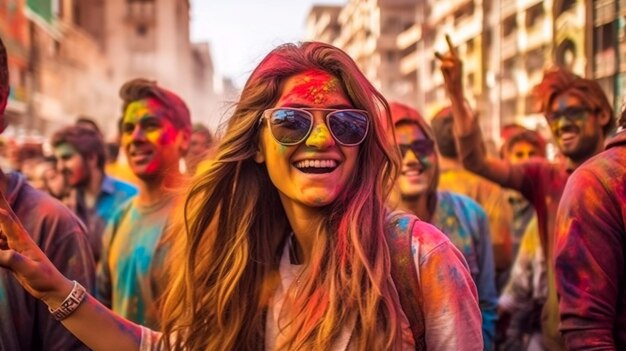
(228, 245)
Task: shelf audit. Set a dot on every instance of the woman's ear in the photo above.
(259, 155)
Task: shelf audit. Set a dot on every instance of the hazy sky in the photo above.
(241, 32)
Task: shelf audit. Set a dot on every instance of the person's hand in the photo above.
(452, 70)
(31, 267)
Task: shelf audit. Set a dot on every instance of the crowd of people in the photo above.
(324, 218)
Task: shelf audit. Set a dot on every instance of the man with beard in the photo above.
(80, 156)
(460, 218)
(580, 118)
(590, 252)
(25, 323)
(155, 131)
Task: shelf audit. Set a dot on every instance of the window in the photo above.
(564, 6)
(604, 37)
(508, 25)
(142, 30)
(534, 15)
(141, 10)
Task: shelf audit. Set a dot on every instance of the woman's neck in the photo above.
(304, 222)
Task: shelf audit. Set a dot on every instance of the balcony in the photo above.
(508, 90)
(467, 28)
(524, 4)
(409, 63)
(604, 12)
(537, 36)
(141, 12)
(509, 46)
(410, 36)
(507, 8)
(439, 11)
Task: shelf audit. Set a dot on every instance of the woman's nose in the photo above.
(320, 136)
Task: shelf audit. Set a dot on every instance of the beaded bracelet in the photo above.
(71, 302)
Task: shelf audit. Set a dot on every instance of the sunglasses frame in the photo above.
(267, 116)
(417, 154)
(567, 113)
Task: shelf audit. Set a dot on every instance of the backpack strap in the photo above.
(404, 273)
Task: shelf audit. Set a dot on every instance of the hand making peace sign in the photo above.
(452, 70)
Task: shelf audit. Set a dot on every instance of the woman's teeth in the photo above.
(316, 164)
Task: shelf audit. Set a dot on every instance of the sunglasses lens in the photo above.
(348, 127)
(575, 114)
(290, 126)
(419, 148)
(425, 147)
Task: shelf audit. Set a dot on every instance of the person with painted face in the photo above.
(590, 251)
(51, 229)
(521, 146)
(154, 135)
(285, 241)
(522, 299)
(80, 156)
(462, 219)
(580, 118)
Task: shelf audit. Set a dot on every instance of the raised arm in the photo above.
(92, 323)
(466, 129)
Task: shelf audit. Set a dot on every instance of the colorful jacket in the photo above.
(590, 255)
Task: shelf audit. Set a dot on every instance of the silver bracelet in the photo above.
(71, 302)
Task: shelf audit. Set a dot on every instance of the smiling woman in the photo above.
(286, 242)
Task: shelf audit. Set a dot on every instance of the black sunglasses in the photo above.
(419, 147)
(572, 114)
(291, 126)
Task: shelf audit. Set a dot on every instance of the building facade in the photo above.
(505, 46)
(68, 58)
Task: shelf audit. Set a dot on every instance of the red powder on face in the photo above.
(315, 87)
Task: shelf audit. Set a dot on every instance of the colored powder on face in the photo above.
(149, 108)
(64, 151)
(320, 134)
(424, 159)
(282, 149)
(316, 87)
(562, 103)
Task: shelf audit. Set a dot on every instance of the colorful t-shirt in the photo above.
(492, 199)
(131, 270)
(25, 322)
(465, 223)
(590, 253)
(450, 306)
(113, 194)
